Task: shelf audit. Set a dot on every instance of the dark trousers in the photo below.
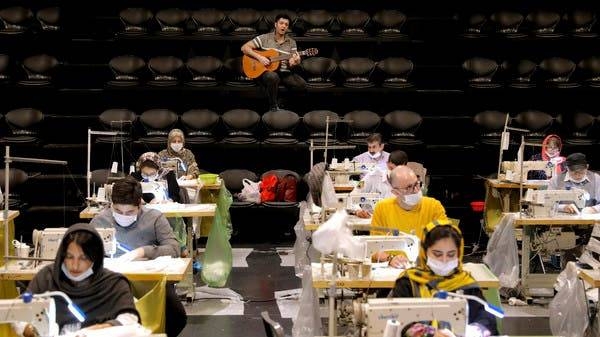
(270, 82)
(175, 316)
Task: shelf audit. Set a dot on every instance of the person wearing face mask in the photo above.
(149, 169)
(578, 176)
(375, 153)
(188, 168)
(104, 296)
(551, 147)
(148, 234)
(439, 267)
(406, 211)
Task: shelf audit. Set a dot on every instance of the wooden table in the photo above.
(174, 270)
(169, 210)
(352, 221)
(529, 280)
(590, 276)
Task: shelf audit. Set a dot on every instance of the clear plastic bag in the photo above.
(502, 255)
(301, 245)
(250, 192)
(334, 236)
(568, 310)
(308, 321)
(218, 257)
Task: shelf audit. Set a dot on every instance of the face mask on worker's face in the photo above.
(124, 220)
(80, 277)
(412, 199)
(176, 146)
(152, 177)
(375, 155)
(442, 268)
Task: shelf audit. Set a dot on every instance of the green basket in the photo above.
(208, 178)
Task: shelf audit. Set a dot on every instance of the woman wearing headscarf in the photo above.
(440, 267)
(175, 149)
(104, 296)
(551, 147)
(149, 170)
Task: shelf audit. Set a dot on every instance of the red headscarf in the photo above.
(557, 161)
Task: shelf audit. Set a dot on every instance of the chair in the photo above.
(157, 123)
(104, 176)
(15, 20)
(537, 122)
(236, 76)
(233, 180)
(135, 21)
(38, 70)
(16, 178)
(316, 22)
(395, 72)
(240, 125)
(126, 70)
(24, 127)
(507, 24)
(491, 125)
(315, 121)
(243, 22)
(389, 23)
(354, 23)
(590, 68)
(581, 129)
(361, 124)
(558, 71)
(403, 125)
(318, 72)
(120, 121)
(204, 70)
(280, 174)
(580, 23)
(272, 328)
(165, 70)
(172, 21)
(520, 73)
(421, 173)
(475, 26)
(280, 127)
(208, 21)
(543, 23)
(200, 125)
(4, 68)
(357, 72)
(49, 19)
(481, 73)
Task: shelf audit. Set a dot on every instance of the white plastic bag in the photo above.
(250, 192)
(502, 256)
(308, 321)
(568, 310)
(328, 197)
(334, 236)
(301, 245)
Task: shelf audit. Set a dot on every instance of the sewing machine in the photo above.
(157, 188)
(543, 203)
(175, 164)
(40, 313)
(374, 315)
(363, 200)
(512, 170)
(47, 241)
(406, 243)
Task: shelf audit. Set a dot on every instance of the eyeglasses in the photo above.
(416, 186)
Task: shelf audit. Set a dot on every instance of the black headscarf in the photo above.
(102, 296)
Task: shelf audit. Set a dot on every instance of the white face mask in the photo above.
(124, 220)
(375, 155)
(81, 276)
(440, 268)
(412, 200)
(150, 178)
(176, 146)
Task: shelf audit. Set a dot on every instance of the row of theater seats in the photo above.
(539, 23)
(556, 72)
(18, 20)
(35, 70)
(244, 126)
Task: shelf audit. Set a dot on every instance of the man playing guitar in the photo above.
(277, 40)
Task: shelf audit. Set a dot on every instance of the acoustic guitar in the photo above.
(253, 68)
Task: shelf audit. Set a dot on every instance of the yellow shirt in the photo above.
(389, 214)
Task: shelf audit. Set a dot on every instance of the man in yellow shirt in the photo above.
(407, 211)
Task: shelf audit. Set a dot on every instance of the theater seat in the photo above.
(280, 126)
(581, 129)
(4, 68)
(208, 21)
(357, 72)
(508, 24)
(315, 23)
(481, 73)
(49, 19)
(204, 70)
(126, 70)
(24, 127)
(135, 21)
(318, 72)
(316, 122)
(474, 26)
(172, 21)
(521, 73)
(233, 179)
(354, 23)
(395, 71)
(39, 70)
(389, 23)
(558, 72)
(241, 126)
(539, 123)
(235, 74)
(490, 124)
(200, 125)
(403, 125)
(361, 124)
(581, 23)
(165, 70)
(15, 20)
(243, 21)
(590, 68)
(120, 121)
(156, 124)
(16, 178)
(280, 174)
(544, 24)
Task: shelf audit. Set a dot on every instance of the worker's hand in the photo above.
(135, 254)
(380, 257)
(445, 333)
(571, 209)
(264, 60)
(29, 331)
(188, 177)
(399, 261)
(363, 214)
(294, 60)
(589, 210)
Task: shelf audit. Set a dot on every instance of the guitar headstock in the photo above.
(310, 52)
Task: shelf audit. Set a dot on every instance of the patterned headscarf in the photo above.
(176, 133)
(151, 157)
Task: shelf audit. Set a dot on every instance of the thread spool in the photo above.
(392, 328)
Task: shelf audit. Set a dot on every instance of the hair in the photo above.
(149, 163)
(441, 232)
(555, 141)
(282, 16)
(91, 244)
(398, 157)
(375, 137)
(127, 191)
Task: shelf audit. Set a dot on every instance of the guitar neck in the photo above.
(284, 57)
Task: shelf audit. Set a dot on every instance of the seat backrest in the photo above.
(272, 328)
(104, 176)
(16, 177)
(118, 119)
(158, 122)
(199, 121)
(233, 178)
(22, 121)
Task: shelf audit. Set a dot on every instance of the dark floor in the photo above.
(265, 275)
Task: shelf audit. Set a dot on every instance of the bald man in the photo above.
(407, 211)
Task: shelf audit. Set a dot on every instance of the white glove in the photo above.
(132, 255)
(474, 330)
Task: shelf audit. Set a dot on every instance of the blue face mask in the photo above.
(80, 277)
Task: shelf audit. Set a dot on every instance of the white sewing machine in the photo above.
(409, 244)
(40, 313)
(374, 315)
(47, 241)
(512, 169)
(543, 203)
(362, 200)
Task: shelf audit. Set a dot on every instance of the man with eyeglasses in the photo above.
(406, 211)
(578, 176)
